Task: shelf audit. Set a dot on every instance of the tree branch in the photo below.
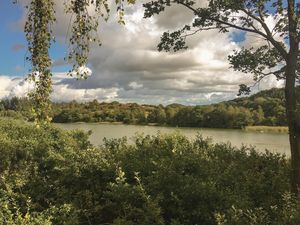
(198, 30)
(268, 36)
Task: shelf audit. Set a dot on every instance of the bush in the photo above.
(193, 180)
(286, 214)
(10, 213)
(157, 180)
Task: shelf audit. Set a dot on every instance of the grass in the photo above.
(274, 129)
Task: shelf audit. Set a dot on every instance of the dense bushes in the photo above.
(50, 176)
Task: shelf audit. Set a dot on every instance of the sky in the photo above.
(128, 67)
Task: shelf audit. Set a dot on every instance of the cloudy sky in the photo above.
(128, 68)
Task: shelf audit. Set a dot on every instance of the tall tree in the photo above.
(41, 18)
(278, 55)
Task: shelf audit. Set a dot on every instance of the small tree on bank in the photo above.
(276, 56)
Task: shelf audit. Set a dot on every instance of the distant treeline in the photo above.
(264, 108)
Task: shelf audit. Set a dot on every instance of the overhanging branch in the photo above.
(268, 35)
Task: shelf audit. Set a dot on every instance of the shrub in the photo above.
(195, 179)
(286, 214)
(157, 180)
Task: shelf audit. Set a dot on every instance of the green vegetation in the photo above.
(50, 176)
(278, 57)
(272, 56)
(41, 15)
(263, 109)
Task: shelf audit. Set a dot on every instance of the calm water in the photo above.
(271, 141)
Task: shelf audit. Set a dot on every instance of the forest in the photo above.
(266, 108)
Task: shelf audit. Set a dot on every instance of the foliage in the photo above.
(195, 179)
(276, 53)
(39, 34)
(57, 177)
(265, 108)
(248, 16)
(287, 213)
(38, 29)
(10, 214)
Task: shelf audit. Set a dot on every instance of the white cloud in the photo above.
(177, 92)
(128, 67)
(13, 86)
(135, 85)
(19, 87)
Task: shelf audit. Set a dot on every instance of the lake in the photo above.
(275, 142)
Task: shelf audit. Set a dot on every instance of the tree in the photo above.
(158, 115)
(258, 116)
(41, 17)
(278, 55)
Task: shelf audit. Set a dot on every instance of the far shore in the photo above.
(261, 129)
(268, 129)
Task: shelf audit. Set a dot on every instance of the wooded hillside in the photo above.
(264, 108)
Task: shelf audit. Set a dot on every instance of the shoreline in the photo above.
(260, 129)
(267, 129)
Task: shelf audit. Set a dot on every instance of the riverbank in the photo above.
(261, 129)
(276, 142)
(268, 129)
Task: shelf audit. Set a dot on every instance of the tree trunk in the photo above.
(290, 96)
(293, 124)
(295, 146)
